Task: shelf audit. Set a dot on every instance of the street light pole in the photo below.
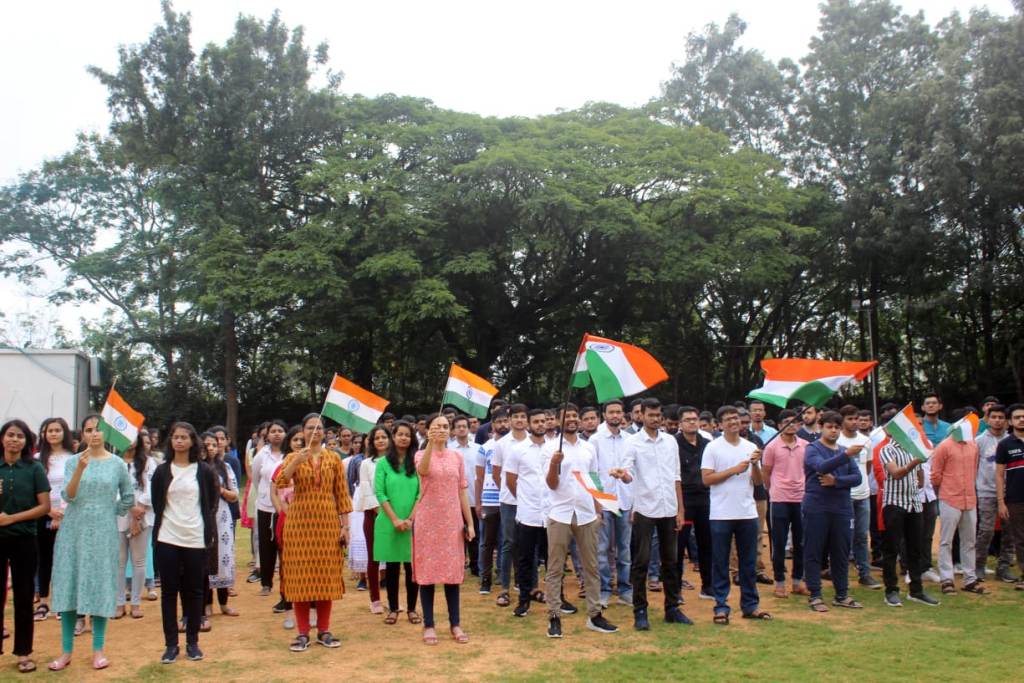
(866, 305)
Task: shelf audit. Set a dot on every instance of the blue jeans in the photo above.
(861, 527)
(745, 533)
(508, 539)
(620, 528)
(833, 529)
(786, 516)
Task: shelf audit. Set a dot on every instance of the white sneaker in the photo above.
(930, 575)
(989, 570)
(289, 622)
(906, 578)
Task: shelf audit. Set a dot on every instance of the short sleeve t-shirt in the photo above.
(1010, 452)
(862, 490)
(734, 497)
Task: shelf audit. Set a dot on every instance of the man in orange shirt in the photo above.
(954, 468)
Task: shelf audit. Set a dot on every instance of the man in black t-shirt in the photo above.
(696, 501)
(1010, 482)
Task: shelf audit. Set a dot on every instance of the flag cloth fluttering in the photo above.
(352, 406)
(807, 380)
(965, 429)
(468, 392)
(592, 484)
(906, 430)
(119, 422)
(616, 369)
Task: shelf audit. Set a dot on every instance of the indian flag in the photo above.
(119, 422)
(468, 392)
(965, 429)
(810, 381)
(906, 430)
(592, 483)
(353, 406)
(616, 369)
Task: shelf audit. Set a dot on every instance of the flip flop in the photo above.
(429, 639)
(414, 618)
(760, 615)
(101, 663)
(26, 667)
(391, 618)
(461, 638)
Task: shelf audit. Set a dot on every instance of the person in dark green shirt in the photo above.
(24, 498)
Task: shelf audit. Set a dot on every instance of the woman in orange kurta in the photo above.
(317, 529)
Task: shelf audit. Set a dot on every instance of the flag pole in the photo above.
(796, 417)
(451, 365)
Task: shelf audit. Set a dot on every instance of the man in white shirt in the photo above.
(469, 450)
(651, 463)
(859, 494)
(525, 476)
(731, 468)
(508, 557)
(488, 505)
(609, 441)
(572, 514)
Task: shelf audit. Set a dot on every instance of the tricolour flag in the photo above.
(807, 380)
(592, 483)
(906, 430)
(353, 406)
(468, 392)
(616, 369)
(965, 429)
(119, 422)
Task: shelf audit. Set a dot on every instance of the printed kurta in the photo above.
(438, 554)
(312, 556)
(225, 576)
(86, 553)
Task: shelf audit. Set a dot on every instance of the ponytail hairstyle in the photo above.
(139, 459)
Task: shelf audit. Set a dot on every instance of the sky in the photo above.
(522, 58)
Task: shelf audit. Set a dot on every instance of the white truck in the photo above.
(39, 383)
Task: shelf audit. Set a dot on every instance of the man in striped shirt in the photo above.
(903, 517)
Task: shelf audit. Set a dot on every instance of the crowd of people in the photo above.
(86, 534)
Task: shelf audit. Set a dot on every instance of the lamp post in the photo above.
(866, 305)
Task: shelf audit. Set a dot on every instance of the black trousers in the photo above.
(491, 525)
(876, 535)
(473, 547)
(391, 571)
(182, 571)
(21, 553)
(906, 529)
(928, 517)
(700, 527)
(530, 541)
(45, 538)
(640, 552)
(268, 547)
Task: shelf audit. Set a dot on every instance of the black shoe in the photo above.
(281, 607)
(253, 577)
(327, 640)
(361, 586)
(193, 652)
(602, 625)
(676, 616)
(924, 599)
(764, 579)
(170, 655)
(1006, 576)
(485, 588)
(521, 610)
(568, 607)
(892, 599)
(640, 622)
(300, 644)
(554, 627)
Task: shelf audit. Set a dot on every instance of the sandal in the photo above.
(538, 596)
(975, 588)
(503, 599)
(80, 627)
(136, 612)
(722, 618)
(391, 618)
(948, 588)
(429, 637)
(459, 636)
(181, 625)
(228, 611)
(41, 613)
(58, 665)
(800, 590)
(760, 615)
(817, 605)
(26, 666)
(848, 603)
(414, 618)
(101, 663)
(781, 593)
(204, 625)
(119, 612)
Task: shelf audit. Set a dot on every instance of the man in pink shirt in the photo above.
(954, 467)
(784, 477)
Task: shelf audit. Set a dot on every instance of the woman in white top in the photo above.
(54, 451)
(135, 526)
(378, 445)
(185, 494)
(266, 462)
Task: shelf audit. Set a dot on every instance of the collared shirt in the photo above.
(954, 469)
(935, 432)
(787, 462)
(469, 458)
(766, 432)
(807, 435)
(899, 492)
(611, 449)
(20, 483)
(526, 460)
(570, 497)
(489, 491)
(986, 479)
(863, 489)
(734, 497)
(653, 463)
(502, 448)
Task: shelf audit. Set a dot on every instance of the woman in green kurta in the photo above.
(397, 487)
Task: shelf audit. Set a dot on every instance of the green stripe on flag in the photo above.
(348, 419)
(464, 404)
(812, 393)
(606, 384)
(597, 480)
(118, 441)
(580, 379)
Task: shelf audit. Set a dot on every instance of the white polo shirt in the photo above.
(570, 497)
(611, 449)
(501, 447)
(526, 460)
(653, 463)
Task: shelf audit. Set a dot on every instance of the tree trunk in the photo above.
(230, 337)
